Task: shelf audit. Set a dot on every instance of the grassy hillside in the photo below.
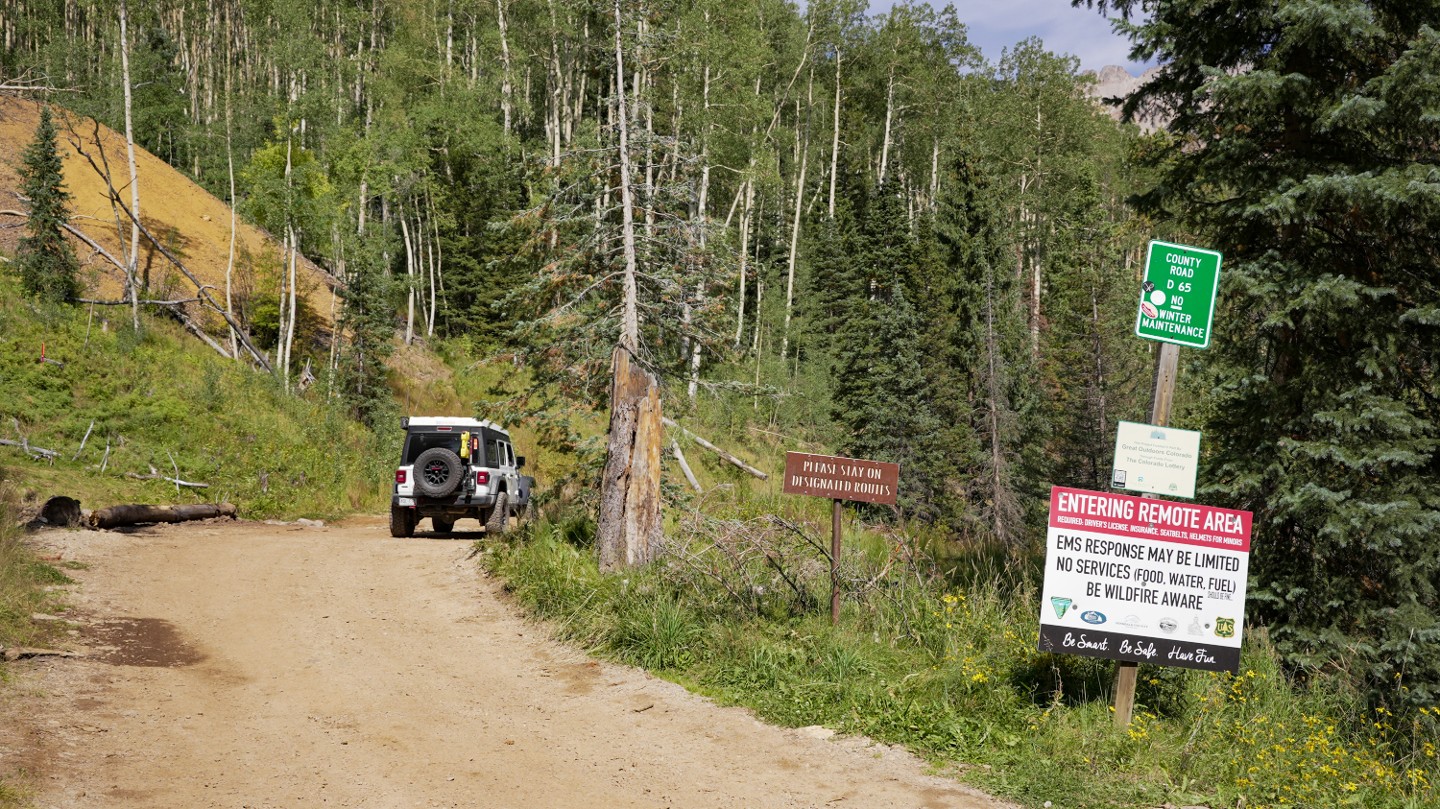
(162, 400)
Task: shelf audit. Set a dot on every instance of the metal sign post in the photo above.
(835, 562)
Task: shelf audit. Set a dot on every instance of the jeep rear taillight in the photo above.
(400, 476)
(482, 478)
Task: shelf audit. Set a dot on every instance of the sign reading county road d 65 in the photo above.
(1177, 299)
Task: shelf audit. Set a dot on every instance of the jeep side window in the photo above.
(492, 453)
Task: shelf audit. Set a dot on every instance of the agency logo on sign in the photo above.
(1225, 627)
(1092, 617)
(1060, 605)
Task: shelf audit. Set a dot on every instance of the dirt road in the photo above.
(252, 665)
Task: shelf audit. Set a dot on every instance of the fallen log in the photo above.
(38, 453)
(136, 513)
(685, 466)
(669, 422)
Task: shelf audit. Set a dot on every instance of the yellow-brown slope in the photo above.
(192, 223)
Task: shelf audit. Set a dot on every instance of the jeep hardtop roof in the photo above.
(408, 422)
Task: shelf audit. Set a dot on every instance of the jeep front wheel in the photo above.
(499, 518)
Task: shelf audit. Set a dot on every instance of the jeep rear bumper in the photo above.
(458, 505)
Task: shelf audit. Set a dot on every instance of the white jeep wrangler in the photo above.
(452, 468)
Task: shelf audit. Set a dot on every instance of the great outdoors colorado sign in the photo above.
(841, 478)
(1144, 580)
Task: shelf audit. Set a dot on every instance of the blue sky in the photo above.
(994, 25)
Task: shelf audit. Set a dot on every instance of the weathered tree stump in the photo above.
(629, 533)
(60, 511)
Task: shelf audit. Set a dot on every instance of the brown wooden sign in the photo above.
(841, 478)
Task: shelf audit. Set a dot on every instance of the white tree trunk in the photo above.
(410, 279)
(230, 165)
(934, 172)
(287, 279)
(835, 138)
(630, 309)
(507, 86)
(230, 259)
(432, 269)
(552, 110)
(749, 194)
(134, 258)
(889, 116)
(290, 333)
(702, 217)
(803, 145)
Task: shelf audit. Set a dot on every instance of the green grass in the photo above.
(12, 797)
(947, 666)
(163, 401)
(23, 579)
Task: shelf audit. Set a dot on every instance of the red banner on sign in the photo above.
(1148, 518)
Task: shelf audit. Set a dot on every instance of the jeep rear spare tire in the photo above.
(499, 518)
(437, 472)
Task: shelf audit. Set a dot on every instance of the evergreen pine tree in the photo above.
(47, 263)
(883, 401)
(367, 323)
(989, 344)
(834, 280)
(886, 388)
(1305, 150)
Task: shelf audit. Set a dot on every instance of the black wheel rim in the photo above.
(436, 473)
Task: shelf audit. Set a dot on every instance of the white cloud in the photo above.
(995, 25)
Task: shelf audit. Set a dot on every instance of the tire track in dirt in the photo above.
(254, 665)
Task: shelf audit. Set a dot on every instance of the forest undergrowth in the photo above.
(940, 656)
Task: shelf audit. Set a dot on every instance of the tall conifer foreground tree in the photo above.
(47, 263)
(992, 375)
(1307, 148)
(368, 321)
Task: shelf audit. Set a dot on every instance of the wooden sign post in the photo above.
(1176, 307)
(840, 479)
(1167, 366)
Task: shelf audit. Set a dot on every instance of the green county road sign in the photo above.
(1177, 300)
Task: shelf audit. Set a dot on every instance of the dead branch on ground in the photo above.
(155, 475)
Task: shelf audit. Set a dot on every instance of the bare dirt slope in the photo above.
(192, 222)
(252, 665)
